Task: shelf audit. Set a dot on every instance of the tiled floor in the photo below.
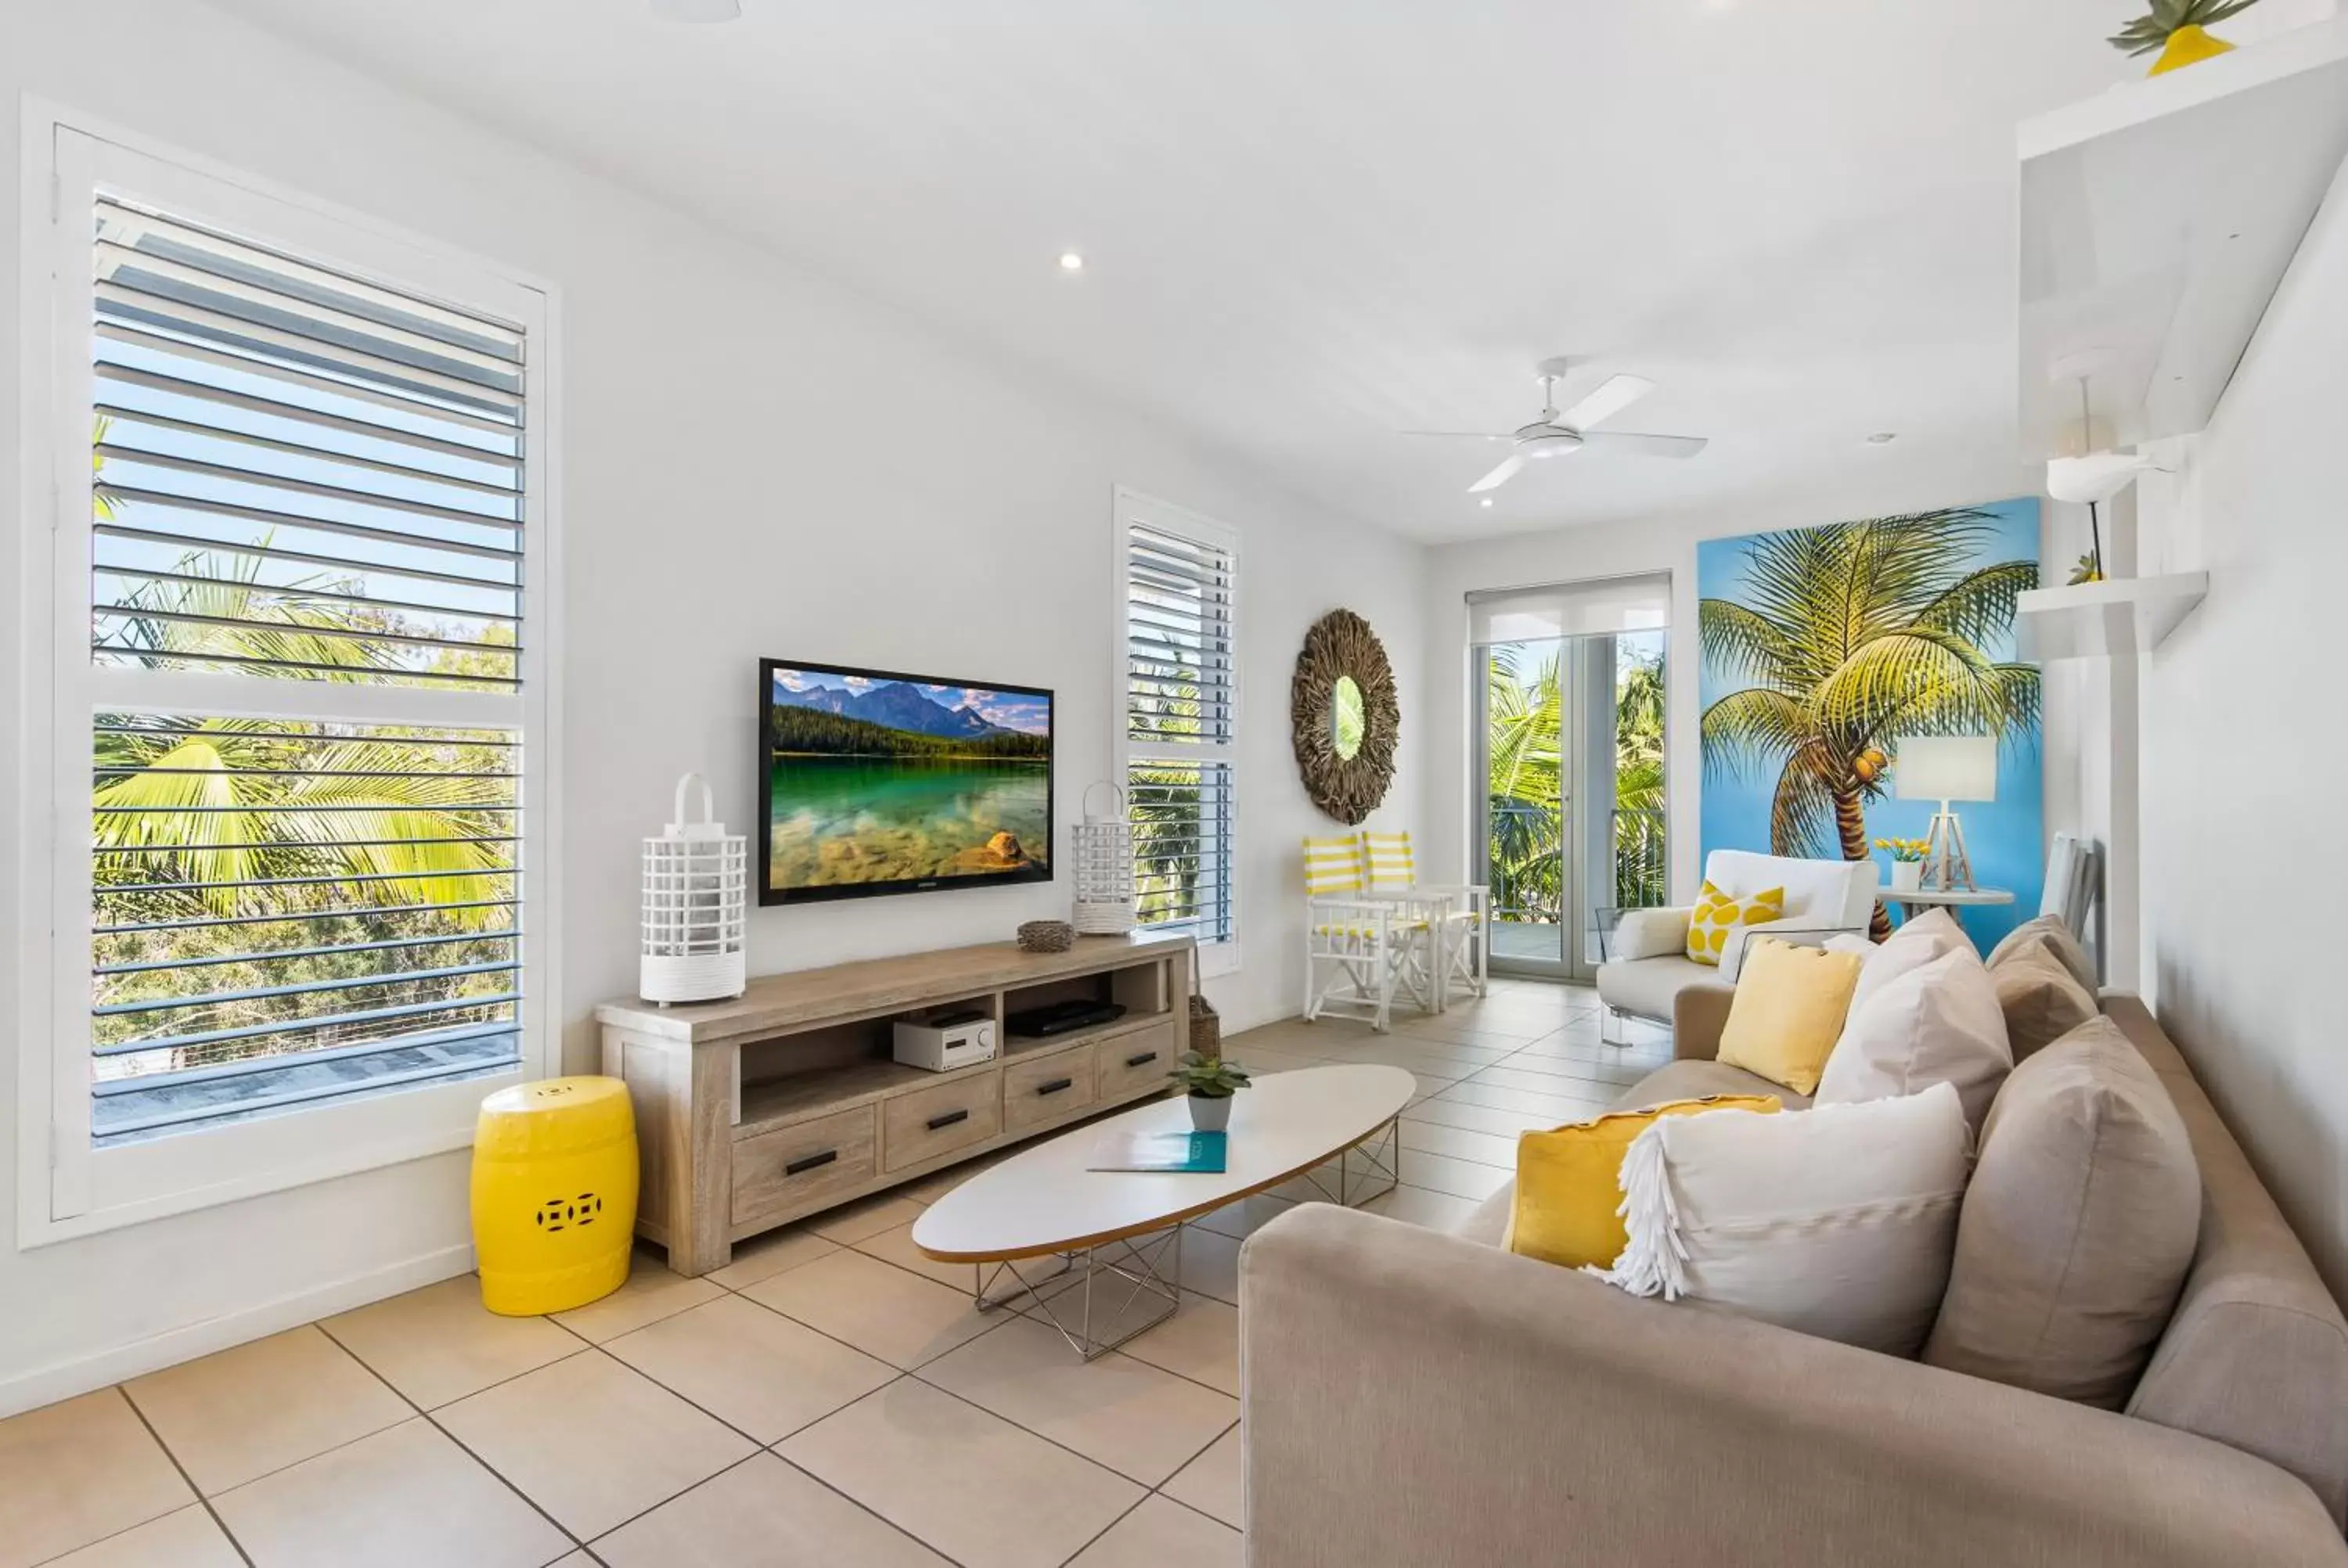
(830, 1399)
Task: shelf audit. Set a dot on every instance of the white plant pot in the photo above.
(1907, 876)
(1211, 1114)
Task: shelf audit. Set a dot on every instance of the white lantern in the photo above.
(696, 887)
(1104, 858)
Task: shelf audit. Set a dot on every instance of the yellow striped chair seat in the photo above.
(1333, 867)
(1364, 933)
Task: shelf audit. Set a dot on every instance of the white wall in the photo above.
(734, 485)
(2244, 751)
(1668, 544)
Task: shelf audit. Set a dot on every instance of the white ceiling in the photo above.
(1310, 224)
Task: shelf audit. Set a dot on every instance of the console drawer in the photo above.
(1127, 1064)
(1047, 1089)
(928, 1122)
(805, 1164)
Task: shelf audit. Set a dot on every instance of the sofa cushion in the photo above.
(1936, 1023)
(2050, 932)
(1647, 986)
(1837, 1221)
(1568, 1181)
(2041, 998)
(1916, 943)
(2077, 1228)
(1788, 1013)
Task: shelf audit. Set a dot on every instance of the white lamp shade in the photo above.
(1945, 767)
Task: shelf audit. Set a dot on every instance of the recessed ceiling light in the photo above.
(1485, 502)
(698, 10)
(1071, 262)
(1883, 438)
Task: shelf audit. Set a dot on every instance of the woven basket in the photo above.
(1205, 1027)
(1046, 936)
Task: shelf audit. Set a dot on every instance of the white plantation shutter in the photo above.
(1178, 609)
(299, 665)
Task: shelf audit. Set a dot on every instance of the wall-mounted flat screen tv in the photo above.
(878, 782)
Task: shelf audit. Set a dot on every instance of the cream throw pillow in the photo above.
(2077, 1229)
(1938, 1022)
(1913, 946)
(2057, 937)
(2041, 999)
(1837, 1222)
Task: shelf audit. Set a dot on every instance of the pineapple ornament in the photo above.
(2179, 29)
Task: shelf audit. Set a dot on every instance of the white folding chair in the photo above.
(1360, 951)
(1460, 915)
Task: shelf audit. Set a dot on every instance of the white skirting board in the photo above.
(48, 1385)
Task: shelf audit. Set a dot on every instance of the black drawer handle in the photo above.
(1056, 1086)
(1144, 1060)
(797, 1167)
(948, 1120)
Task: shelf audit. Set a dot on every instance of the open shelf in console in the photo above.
(837, 1066)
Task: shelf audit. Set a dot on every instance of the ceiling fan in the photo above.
(1554, 433)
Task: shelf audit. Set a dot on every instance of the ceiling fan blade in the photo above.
(1617, 393)
(1499, 476)
(1460, 435)
(1647, 446)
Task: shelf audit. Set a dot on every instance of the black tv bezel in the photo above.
(770, 895)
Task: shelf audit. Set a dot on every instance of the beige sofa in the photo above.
(1415, 1398)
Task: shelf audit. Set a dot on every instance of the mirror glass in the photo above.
(1345, 717)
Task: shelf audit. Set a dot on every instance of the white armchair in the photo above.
(1646, 963)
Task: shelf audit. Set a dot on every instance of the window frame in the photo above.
(65, 1188)
(1132, 507)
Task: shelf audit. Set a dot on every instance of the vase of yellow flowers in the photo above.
(1907, 861)
(2178, 29)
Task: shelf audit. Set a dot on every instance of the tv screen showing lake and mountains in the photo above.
(878, 782)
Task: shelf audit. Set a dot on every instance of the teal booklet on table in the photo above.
(1183, 1151)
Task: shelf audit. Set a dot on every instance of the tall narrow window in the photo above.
(1179, 611)
(300, 664)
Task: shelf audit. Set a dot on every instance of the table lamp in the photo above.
(1946, 768)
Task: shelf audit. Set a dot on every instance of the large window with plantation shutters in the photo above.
(1177, 614)
(298, 705)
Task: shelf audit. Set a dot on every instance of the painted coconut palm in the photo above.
(1824, 647)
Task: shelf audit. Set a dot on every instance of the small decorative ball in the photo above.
(1046, 936)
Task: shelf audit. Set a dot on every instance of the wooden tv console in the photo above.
(787, 1101)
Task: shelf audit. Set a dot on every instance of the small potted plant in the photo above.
(1907, 861)
(2179, 30)
(1211, 1081)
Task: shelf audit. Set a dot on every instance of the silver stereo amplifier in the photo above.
(943, 1043)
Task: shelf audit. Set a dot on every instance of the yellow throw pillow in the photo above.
(1716, 913)
(1788, 1011)
(1570, 1182)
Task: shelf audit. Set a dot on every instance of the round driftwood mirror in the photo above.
(1343, 716)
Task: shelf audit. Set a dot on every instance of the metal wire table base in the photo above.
(1102, 1285)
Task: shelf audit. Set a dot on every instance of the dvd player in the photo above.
(1059, 1018)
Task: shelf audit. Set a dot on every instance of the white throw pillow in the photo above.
(1934, 1022)
(1929, 936)
(1837, 1222)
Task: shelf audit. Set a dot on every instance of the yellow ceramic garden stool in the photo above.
(554, 1194)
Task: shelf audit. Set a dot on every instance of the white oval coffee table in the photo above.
(1043, 1206)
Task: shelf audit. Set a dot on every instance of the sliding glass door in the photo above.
(1570, 745)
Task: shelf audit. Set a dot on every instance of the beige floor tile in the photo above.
(1445, 1112)
(188, 1539)
(650, 1294)
(577, 1560)
(765, 1256)
(396, 1500)
(1162, 1534)
(235, 1416)
(968, 1483)
(440, 1343)
(78, 1471)
(1459, 1178)
(1459, 1142)
(1211, 1264)
(592, 1441)
(897, 1246)
(1245, 1217)
(1200, 1342)
(1489, 1034)
(1135, 1419)
(1564, 1107)
(854, 1222)
(751, 1368)
(1435, 1210)
(762, 1513)
(1210, 1483)
(876, 1306)
(1550, 1075)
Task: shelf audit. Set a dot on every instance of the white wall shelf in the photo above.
(2157, 221)
(2119, 617)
